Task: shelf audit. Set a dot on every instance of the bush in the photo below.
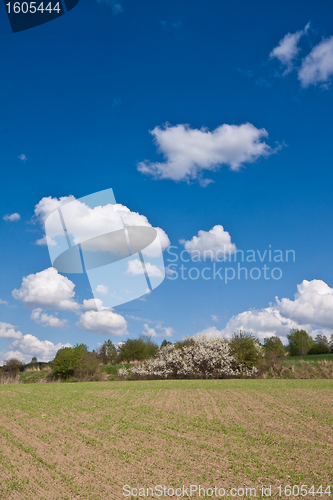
(321, 345)
(300, 342)
(137, 349)
(246, 349)
(195, 357)
(12, 367)
(273, 347)
(75, 362)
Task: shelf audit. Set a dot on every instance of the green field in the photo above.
(87, 440)
(311, 358)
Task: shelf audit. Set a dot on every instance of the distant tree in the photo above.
(300, 342)
(151, 346)
(107, 352)
(321, 345)
(12, 366)
(246, 349)
(33, 361)
(102, 354)
(88, 367)
(111, 351)
(273, 346)
(69, 359)
(138, 349)
(165, 342)
(132, 349)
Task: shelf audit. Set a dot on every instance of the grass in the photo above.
(113, 369)
(29, 377)
(311, 358)
(87, 440)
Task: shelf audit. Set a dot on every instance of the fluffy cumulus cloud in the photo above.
(263, 322)
(7, 331)
(317, 67)
(158, 331)
(288, 49)
(311, 310)
(12, 217)
(85, 223)
(48, 205)
(38, 316)
(47, 289)
(313, 304)
(92, 304)
(29, 346)
(189, 152)
(104, 322)
(213, 244)
(135, 268)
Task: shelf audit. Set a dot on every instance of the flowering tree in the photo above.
(195, 357)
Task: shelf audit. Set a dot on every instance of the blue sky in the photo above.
(79, 97)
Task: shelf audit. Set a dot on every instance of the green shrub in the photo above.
(137, 349)
(12, 366)
(273, 347)
(246, 349)
(75, 362)
(300, 342)
(321, 345)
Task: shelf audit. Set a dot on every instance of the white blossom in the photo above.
(196, 357)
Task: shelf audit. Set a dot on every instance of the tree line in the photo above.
(80, 364)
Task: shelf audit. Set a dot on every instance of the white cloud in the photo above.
(189, 152)
(263, 323)
(103, 289)
(135, 268)
(213, 244)
(214, 317)
(92, 304)
(48, 205)
(12, 217)
(211, 332)
(85, 223)
(7, 331)
(105, 322)
(28, 346)
(164, 331)
(311, 310)
(313, 304)
(44, 319)
(4, 302)
(137, 318)
(47, 289)
(317, 67)
(22, 157)
(288, 49)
